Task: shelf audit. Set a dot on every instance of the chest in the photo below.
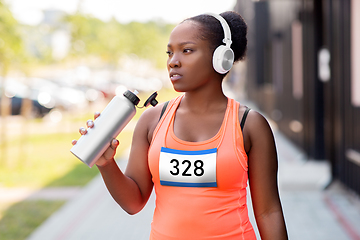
(228, 165)
(197, 127)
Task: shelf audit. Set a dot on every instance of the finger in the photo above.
(90, 123)
(114, 143)
(109, 153)
(73, 142)
(96, 115)
(82, 131)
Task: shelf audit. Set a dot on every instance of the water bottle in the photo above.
(116, 115)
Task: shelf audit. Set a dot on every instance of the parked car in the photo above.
(17, 92)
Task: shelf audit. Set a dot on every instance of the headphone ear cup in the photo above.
(223, 59)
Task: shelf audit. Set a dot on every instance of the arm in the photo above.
(132, 189)
(263, 168)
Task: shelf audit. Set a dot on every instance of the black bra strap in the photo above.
(244, 118)
(163, 109)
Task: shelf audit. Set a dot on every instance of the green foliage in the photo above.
(110, 40)
(148, 40)
(89, 37)
(11, 45)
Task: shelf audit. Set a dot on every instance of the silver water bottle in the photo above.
(116, 115)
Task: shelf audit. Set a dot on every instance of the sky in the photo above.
(30, 11)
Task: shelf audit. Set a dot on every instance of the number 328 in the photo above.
(197, 169)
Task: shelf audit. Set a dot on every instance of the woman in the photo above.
(197, 156)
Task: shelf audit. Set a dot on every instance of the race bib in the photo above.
(188, 168)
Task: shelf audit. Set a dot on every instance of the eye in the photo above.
(187, 50)
(168, 53)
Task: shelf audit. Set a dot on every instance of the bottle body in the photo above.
(116, 115)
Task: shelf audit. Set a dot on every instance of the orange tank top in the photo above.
(200, 186)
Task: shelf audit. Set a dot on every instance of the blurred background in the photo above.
(302, 70)
(60, 61)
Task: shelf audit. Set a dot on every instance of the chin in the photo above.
(178, 89)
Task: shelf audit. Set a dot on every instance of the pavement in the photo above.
(93, 214)
(11, 195)
(315, 208)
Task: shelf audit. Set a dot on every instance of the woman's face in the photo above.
(190, 59)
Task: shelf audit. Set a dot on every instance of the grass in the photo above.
(22, 218)
(44, 160)
(47, 161)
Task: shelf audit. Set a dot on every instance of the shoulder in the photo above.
(254, 119)
(256, 130)
(260, 132)
(151, 115)
(149, 120)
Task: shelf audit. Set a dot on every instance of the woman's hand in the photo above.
(109, 153)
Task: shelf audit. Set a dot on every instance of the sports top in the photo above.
(200, 186)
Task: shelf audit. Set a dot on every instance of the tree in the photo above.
(11, 45)
(11, 53)
(111, 40)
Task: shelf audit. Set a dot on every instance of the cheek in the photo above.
(207, 61)
(204, 66)
(203, 62)
(167, 63)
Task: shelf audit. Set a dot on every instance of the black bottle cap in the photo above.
(132, 97)
(151, 100)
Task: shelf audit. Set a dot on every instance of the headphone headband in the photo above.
(226, 28)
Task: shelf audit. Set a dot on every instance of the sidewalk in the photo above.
(93, 214)
(311, 212)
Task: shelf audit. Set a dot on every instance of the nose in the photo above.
(174, 62)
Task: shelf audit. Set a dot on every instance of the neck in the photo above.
(205, 100)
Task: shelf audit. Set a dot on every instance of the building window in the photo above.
(355, 53)
(297, 59)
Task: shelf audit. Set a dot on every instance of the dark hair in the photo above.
(213, 32)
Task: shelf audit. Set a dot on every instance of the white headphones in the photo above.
(223, 57)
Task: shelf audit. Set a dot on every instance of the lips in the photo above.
(175, 76)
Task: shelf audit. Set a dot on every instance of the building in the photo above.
(303, 71)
